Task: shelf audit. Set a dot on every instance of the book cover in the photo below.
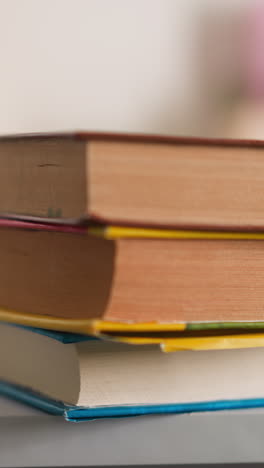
(73, 414)
(170, 336)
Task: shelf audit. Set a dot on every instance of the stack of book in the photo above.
(119, 251)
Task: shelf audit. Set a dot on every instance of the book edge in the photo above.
(83, 135)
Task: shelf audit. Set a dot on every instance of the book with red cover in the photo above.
(136, 180)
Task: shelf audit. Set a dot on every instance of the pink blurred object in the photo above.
(247, 116)
(254, 51)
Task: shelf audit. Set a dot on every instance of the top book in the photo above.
(126, 179)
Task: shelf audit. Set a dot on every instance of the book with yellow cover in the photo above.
(182, 289)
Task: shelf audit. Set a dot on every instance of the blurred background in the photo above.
(186, 67)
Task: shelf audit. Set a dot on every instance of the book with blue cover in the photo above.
(83, 378)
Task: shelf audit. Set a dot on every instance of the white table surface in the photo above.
(31, 438)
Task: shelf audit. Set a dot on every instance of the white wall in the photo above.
(98, 64)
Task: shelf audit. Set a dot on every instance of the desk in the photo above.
(31, 438)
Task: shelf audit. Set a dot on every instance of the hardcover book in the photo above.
(89, 379)
(78, 277)
(137, 180)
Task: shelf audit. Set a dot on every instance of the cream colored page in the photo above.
(39, 363)
(116, 374)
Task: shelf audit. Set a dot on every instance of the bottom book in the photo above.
(83, 379)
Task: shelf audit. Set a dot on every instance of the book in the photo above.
(78, 277)
(94, 379)
(137, 180)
